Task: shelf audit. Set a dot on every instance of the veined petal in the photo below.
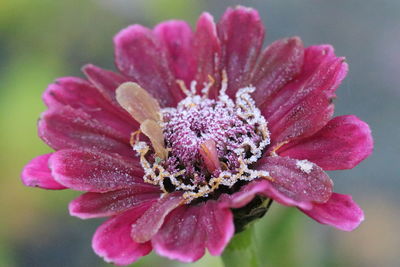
(151, 221)
(189, 230)
(242, 34)
(207, 49)
(95, 171)
(295, 182)
(279, 63)
(177, 38)
(38, 174)
(340, 212)
(140, 56)
(66, 127)
(343, 143)
(113, 241)
(94, 205)
(304, 106)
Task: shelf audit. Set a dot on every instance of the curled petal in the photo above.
(149, 224)
(340, 212)
(208, 152)
(113, 241)
(38, 174)
(242, 34)
(154, 132)
(94, 205)
(295, 182)
(343, 143)
(138, 102)
(95, 171)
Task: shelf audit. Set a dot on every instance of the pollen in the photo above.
(211, 143)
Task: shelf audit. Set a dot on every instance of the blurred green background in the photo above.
(41, 40)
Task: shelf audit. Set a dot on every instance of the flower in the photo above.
(194, 127)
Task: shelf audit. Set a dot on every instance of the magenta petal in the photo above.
(207, 48)
(278, 64)
(177, 38)
(295, 182)
(38, 174)
(340, 212)
(113, 240)
(188, 230)
(65, 127)
(304, 106)
(106, 82)
(181, 237)
(149, 224)
(80, 94)
(343, 143)
(241, 33)
(140, 56)
(95, 171)
(94, 205)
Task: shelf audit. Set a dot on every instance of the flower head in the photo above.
(195, 126)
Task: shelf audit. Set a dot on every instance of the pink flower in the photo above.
(168, 164)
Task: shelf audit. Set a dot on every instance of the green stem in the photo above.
(241, 251)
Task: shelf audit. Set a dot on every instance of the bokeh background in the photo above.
(44, 39)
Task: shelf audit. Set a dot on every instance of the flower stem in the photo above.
(241, 251)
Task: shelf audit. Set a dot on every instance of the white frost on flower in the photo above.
(305, 165)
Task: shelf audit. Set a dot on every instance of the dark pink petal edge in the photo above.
(38, 174)
(340, 212)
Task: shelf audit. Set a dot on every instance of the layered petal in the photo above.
(189, 230)
(304, 106)
(340, 212)
(207, 49)
(38, 174)
(106, 83)
(94, 205)
(177, 38)
(296, 183)
(95, 171)
(242, 34)
(66, 127)
(279, 63)
(113, 240)
(343, 143)
(151, 221)
(80, 94)
(140, 56)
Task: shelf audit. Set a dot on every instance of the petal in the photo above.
(80, 94)
(113, 241)
(207, 49)
(140, 56)
(241, 33)
(295, 182)
(66, 127)
(343, 143)
(340, 212)
(149, 224)
(95, 171)
(37, 174)
(279, 63)
(94, 205)
(106, 82)
(177, 37)
(304, 106)
(189, 229)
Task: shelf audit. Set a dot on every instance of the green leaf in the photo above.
(241, 251)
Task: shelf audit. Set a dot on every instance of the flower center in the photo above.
(211, 144)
